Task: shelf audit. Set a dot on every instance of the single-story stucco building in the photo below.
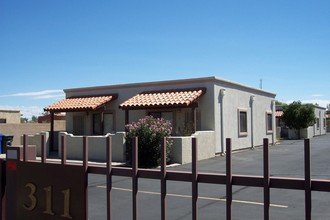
(319, 128)
(209, 108)
(10, 116)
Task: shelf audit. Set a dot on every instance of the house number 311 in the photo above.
(48, 195)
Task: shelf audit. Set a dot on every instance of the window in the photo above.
(318, 123)
(198, 121)
(165, 115)
(102, 123)
(97, 124)
(269, 122)
(108, 123)
(78, 125)
(325, 123)
(242, 122)
(3, 121)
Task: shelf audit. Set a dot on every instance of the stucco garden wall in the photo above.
(96, 147)
(181, 150)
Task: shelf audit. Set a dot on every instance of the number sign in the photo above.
(50, 191)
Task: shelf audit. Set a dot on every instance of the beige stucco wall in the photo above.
(17, 130)
(11, 116)
(182, 147)
(181, 151)
(36, 139)
(96, 147)
(238, 98)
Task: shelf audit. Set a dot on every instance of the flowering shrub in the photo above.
(150, 132)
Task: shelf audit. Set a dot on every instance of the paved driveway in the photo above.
(286, 159)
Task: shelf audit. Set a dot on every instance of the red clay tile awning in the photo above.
(278, 113)
(80, 103)
(161, 99)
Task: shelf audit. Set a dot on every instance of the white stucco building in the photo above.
(210, 108)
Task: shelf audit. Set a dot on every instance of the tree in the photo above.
(150, 132)
(280, 103)
(34, 119)
(299, 116)
(24, 120)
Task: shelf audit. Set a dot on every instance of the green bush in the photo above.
(150, 132)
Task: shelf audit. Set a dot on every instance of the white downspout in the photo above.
(222, 94)
(274, 122)
(252, 99)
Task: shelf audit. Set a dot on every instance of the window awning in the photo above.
(86, 103)
(278, 113)
(162, 99)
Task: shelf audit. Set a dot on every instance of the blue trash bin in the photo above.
(1, 135)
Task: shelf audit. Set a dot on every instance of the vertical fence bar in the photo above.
(85, 152)
(308, 192)
(194, 181)
(229, 179)
(266, 179)
(63, 149)
(85, 165)
(135, 163)
(109, 178)
(163, 184)
(25, 143)
(43, 149)
(2, 189)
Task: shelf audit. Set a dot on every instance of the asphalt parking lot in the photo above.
(286, 160)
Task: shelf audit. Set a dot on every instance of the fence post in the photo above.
(109, 177)
(135, 164)
(163, 180)
(25, 145)
(229, 179)
(85, 165)
(43, 148)
(308, 192)
(266, 179)
(194, 181)
(63, 149)
(2, 189)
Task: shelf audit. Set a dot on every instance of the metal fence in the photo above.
(195, 177)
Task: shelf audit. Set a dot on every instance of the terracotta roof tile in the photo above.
(168, 98)
(278, 113)
(79, 103)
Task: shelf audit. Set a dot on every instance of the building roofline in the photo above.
(319, 107)
(10, 110)
(166, 82)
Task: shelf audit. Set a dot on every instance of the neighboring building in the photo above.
(281, 129)
(319, 128)
(209, 108)
(10, 116)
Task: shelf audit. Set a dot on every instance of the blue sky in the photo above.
(50, 45)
